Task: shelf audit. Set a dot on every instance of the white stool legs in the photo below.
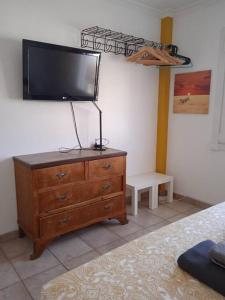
(134, 201)
(149, 181)
(153, 197)
(169, 187)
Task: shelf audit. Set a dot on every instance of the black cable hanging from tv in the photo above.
(75, 124)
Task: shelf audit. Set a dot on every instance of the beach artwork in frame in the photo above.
(191, 92)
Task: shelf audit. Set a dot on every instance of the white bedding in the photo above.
(146, 268)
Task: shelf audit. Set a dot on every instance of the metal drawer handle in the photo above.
(64, 221)
(106, 186)
(107, 167)
(62, 197)
(61, 175)
(108, 207)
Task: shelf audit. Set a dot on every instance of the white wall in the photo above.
(128, 92)
(199, 172)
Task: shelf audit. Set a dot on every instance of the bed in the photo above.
(146, 268)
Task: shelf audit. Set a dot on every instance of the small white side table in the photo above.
(150, 181)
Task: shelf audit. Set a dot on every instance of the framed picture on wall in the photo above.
(191, 92)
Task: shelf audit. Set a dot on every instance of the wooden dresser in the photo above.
(61, 192)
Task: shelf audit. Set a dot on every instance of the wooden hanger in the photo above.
(150, 56)
(172, 59)
(142, 52)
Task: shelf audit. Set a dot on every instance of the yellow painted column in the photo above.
(163, 100)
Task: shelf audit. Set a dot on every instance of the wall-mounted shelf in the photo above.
(109, 41)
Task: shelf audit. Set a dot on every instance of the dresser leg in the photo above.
(21, 233)
(38, 248)
(122, 219)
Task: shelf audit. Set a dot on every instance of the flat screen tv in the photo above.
(52, 72)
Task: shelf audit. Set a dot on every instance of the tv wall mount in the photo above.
(109, 41)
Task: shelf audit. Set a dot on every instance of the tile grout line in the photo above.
(23, 280)
(20, 279)
(26, 289)
(88, 244)
(92, 248)
(27, 253)
(163, 219)
(120, 237)
(16, 256)
(60, 262)
(96, 249)
(177, 212)
(13, 269)
(127, 234)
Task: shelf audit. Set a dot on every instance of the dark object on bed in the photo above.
(217, 254)
(196, 262)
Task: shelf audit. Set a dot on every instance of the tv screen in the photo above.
(52, 72)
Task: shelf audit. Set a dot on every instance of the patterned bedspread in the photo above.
(146, 268)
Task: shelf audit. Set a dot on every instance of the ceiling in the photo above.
(168, 4)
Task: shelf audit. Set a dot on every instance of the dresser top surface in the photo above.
(48, 159)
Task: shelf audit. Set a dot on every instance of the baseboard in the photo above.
(177, 196)
(190, 200)
(8, 236)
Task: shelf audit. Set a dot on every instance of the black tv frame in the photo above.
(27, 96)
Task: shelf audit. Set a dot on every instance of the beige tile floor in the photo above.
(21, 279)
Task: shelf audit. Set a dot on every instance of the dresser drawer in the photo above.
(104, 187)
(54, 176)
(61, 197)
(106, 167)
(58, 224)
(110, 207)
(81, 216)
